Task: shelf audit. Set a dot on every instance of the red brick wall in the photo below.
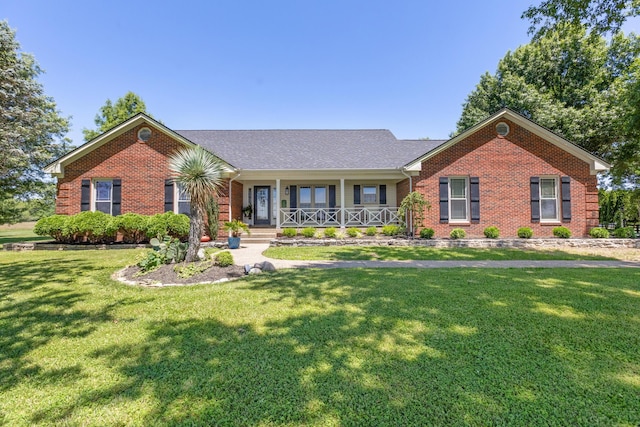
(402, 189)
(504, 167)
(142, 167)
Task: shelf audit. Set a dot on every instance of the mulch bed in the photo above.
(165, 276)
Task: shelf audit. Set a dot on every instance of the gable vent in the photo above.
(502, 128)
(144, 134)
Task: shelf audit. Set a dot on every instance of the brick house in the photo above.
(506, 171)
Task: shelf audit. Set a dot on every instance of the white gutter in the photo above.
(230, 200)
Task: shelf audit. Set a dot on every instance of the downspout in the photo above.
(410, 214)
(230, 195)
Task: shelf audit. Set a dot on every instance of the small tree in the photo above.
(200, 174)
(412, 211)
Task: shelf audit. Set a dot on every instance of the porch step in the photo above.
(259, 235)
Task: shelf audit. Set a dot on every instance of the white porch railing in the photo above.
(333, 217)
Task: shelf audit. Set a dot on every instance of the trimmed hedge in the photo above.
(562, 232)
(599, 233)
(98, 227)
(525, 232)
(492, 232)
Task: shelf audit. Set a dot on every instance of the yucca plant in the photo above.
(200, 174)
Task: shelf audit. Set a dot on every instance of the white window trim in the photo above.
(376, 201)
(176, 198)
(467, 198)
(94, 194)
(557, 199)
(313, 194)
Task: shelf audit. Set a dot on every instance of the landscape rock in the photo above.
(255, 270)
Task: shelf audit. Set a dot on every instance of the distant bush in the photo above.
(308, 232)
(224, 259)
(625, 233)
(492, 232)
(289, 232)
(525, 232)
(562, 232)
(427, 233)
(330, 232)
(599, 233)
(371, 231)
(458, 233)
(133, 227)
(391, 230)
(353, 232)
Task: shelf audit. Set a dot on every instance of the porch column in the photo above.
(342, 211)
(278, 203)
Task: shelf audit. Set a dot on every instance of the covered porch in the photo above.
(313, 199)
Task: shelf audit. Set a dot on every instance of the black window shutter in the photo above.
(356, 194)
(85, 195)
(168, 195)
(534, 185)
(566, 198)
(383, 194)
(474, 190)
(332, 196)
(293, 196)
(116, 197)
(444, 199)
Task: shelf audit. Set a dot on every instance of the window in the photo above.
(548, 199)
(458, 200)
(184, 200)
(369, 194)
(103, 195)
(313, 197)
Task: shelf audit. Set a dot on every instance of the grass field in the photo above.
(22, 232)
(317, 347)
(351, 253)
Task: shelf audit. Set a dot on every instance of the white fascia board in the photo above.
(327, 174)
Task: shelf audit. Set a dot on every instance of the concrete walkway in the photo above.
(252, 253)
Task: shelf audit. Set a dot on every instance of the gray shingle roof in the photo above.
(310, 149)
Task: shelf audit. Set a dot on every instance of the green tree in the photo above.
(31, 128)
(200, 174)
(568, 82)
(113, 114)
(601, 16)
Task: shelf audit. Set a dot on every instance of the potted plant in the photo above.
(247, 211)
(236, 227)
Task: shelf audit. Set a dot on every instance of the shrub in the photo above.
(562, 232)
(371, 231)
(492, 232)
(224, 259)
(171, 248)
(457, 233)
(289, 232)
(168, 224)
(427, 233)
(525, 232)
(330, 233)
(625, 233)
(133, 227)
(353, 232)
(210, 251)
(91, 227)
(54, 226)
(391, 230)
(308, 232)
(599, 233)
(190, 269)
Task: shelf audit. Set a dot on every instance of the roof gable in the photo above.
(595, 163)
(56, 168)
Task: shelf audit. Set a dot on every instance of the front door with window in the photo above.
(262, 203)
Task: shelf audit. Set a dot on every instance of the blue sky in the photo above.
(401, 65)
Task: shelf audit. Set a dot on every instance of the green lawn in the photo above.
(19, 233)
(317, 347)
(388, 253)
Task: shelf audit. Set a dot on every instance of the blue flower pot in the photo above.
(234, 242)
